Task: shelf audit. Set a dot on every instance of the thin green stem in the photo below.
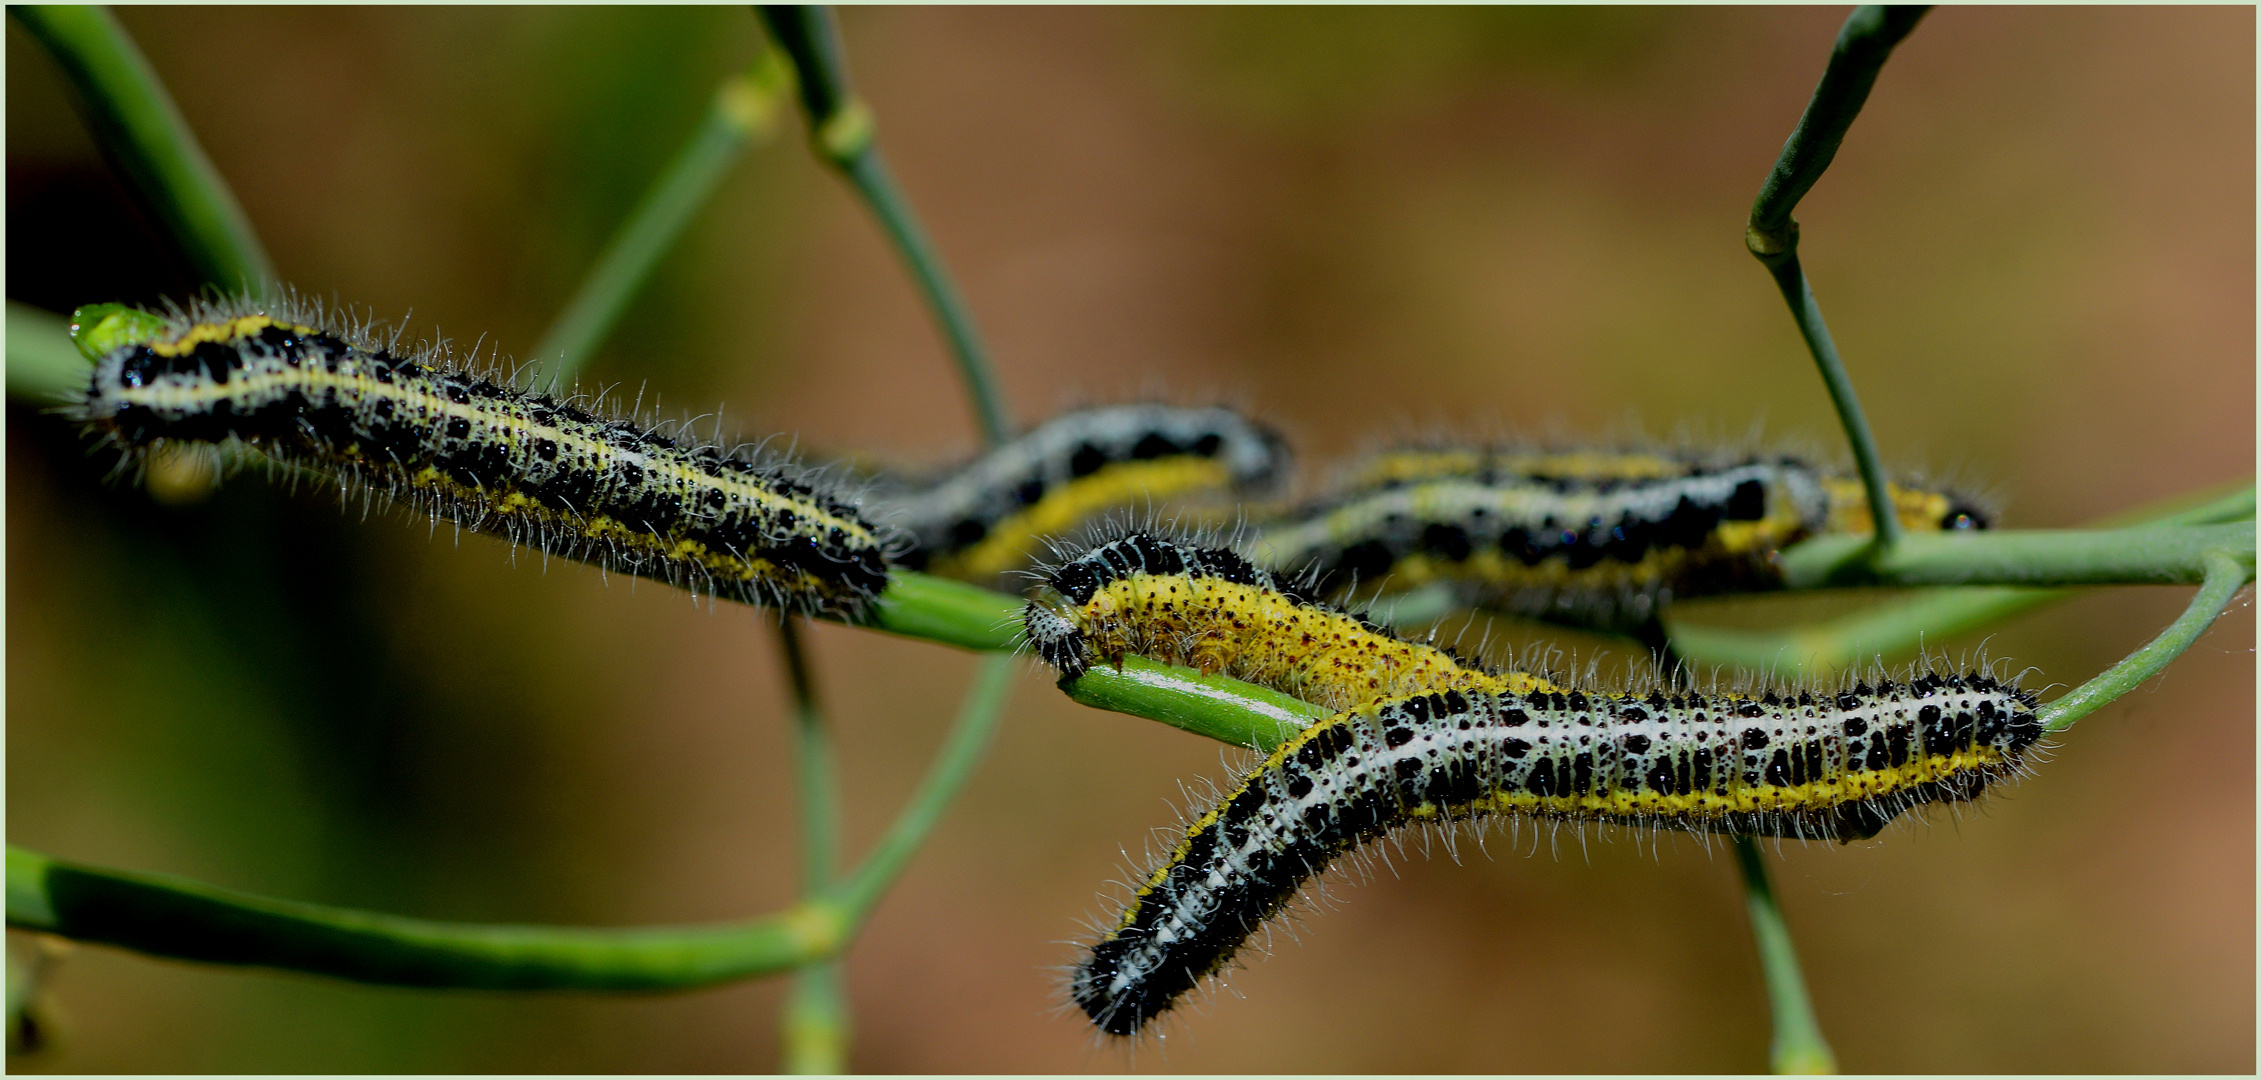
(1798, 1047)
(816, 1022)
(1863, 44)
(2143, 555)
(813, 767)
(1791, 279)
(43, 366)
(1934, 615)
(744, 112)
(952, 613)
(841, 128)
(2226, 573)
(1214, 706)
(961, 750)
(169, 916)
(138, 127)
(948, 612)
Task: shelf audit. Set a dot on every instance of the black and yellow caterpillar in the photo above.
(551, 474)
(1590, 538)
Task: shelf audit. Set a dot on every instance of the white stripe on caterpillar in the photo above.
(549, 474)
(1599, 539)
(992, 515)
(1807, 765)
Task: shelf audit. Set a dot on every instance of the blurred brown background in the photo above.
(2036, 249)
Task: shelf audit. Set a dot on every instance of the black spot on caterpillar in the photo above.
(1804, 764)
(1206, 607)
(550, 474)
(1591, 538)
(991, 515)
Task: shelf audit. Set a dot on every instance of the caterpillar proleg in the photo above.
(1591, 538)
(1804, 764)
(551, 474)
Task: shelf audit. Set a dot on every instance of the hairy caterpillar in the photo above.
(1803, 764)
(546, 473)
(1592, 538)
(1209, 608)
(988, 517)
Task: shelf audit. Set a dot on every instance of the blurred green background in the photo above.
(2036, 249)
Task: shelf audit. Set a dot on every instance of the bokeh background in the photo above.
(2037, 249)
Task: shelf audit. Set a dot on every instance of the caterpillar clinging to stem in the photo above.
(552, 474)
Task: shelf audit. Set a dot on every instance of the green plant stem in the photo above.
(948, 612)
(2142, 555)
(2226, 573)
(138, 127)
(1798, 1047)
(175, 917)
(953, 764)
(744, 112)
(840, 126)
(188, 920)
(184, 919)
(1220, 708)
(1864, 43)
(816, 1022)
(1791, 278)
(952, 613)
(44, 368)
(1934, 615)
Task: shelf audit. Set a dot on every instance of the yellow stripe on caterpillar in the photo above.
(1587, 538)
(995, 514)
(1010, 543)
(545, 473)
(1837, 765)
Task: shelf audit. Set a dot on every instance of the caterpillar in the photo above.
(1209, 608)
(1591, 538)
(988, 517)
(547, 473)
(1806, 765)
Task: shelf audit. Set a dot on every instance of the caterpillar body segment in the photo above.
(1209, 608)
(990, 517)
(1805, 765)
(547, 473)
(1599, 539)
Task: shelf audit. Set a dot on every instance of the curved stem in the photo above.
(1934, 615)
(841, 127)
(142, 132)
(2225, 575)
(961, 751)
(743, 112)
(1863, 45)
(170, 916)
